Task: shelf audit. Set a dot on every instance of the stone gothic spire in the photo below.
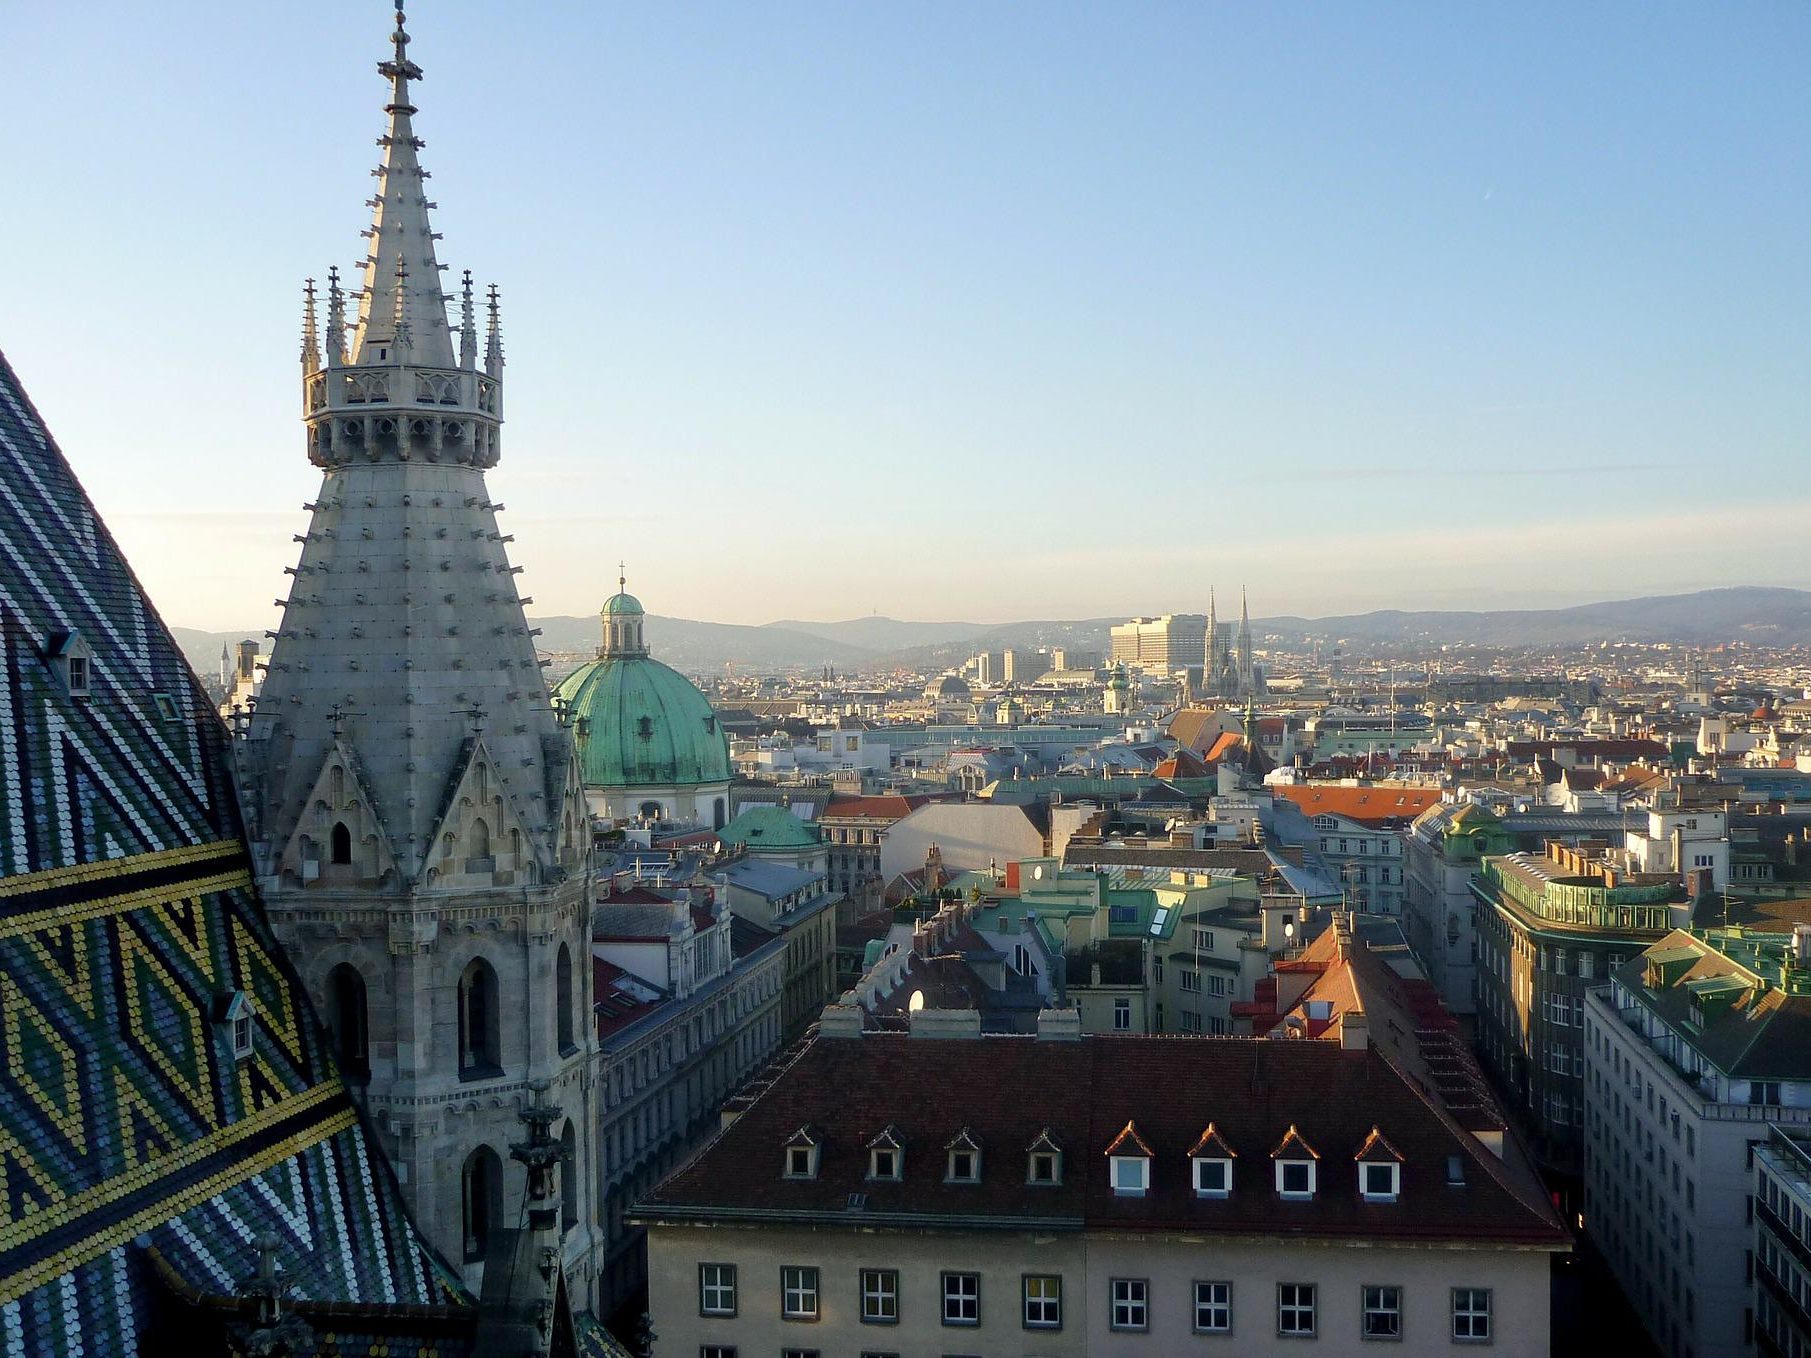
(401, 256)
(416, 806)
(1247, 676)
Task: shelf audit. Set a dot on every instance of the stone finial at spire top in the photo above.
(493, 344)
(468, 323)
(336, 319)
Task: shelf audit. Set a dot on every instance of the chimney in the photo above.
(1060, 1025)
(1354, 1031)
(843, 1019)
(946, 1023)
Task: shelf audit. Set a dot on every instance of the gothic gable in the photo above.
(338, 839)
(481, 838)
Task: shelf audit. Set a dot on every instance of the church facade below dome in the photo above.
(650, 746)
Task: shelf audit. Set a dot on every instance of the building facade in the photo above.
(418, 829)
(1549, 926)
(1694, 1055)
(1441, 852)
(1160, 645)
(1071, 1204)
(1781, 1247)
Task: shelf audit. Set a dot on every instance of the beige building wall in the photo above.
(1517, 1279)
(1001, 1258)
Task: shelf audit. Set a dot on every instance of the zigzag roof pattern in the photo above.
(141, 1154)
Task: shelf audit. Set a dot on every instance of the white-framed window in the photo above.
(1131, 1176)
(1204, 940)
(961, 1298)
(1122, 1015)
(801, 1155)
(1295, 1309)
(1471, 1315)
(1295, 1179)
(1379, 1180)
(1213, 1177)
(886, 1163)
(1381, 1312)
(1213, 1307)
(1189, 980)
(1043, 1301)
(716, 1289)
(880, 1296)
(1045, 1167)
(1131, 1303)
(964, 1165)
(798, 1293)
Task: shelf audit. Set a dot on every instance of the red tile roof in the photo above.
(872, 808)
(1373, 806)
(1084, 1094)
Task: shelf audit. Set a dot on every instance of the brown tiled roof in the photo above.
(1008, 1090)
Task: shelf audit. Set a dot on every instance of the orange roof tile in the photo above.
(1366, 805)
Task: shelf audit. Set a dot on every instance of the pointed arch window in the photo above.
(348, 1021)
(480, 1050)
(479, 859)
(562, 986)
(481, 1186)
(340, 844)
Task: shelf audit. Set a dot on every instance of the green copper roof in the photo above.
(769, 827)
(640, 723)
(618, 604)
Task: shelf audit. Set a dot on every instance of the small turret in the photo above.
(311, 344)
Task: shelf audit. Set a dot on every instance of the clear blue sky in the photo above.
(963, 309)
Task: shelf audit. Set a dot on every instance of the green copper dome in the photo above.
(619, 604)
(639, 723)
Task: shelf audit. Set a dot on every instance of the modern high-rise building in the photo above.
(419, 830)
(1170, 642)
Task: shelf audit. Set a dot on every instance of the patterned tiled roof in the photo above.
(138, 1152)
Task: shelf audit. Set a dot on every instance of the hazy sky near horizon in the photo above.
(975, 310)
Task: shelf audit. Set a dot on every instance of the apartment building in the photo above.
(1441, 851)
(1781, 1294)
(1549, 926)
(1694, 1051)
(1094, 1195)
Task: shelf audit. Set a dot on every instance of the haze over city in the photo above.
(1366, 307)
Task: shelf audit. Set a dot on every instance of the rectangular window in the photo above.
(1295, 1178)
(1213, 1178)
(1043, 1167)
(1122, 1015)
(1295, 1309)
(1131, 1304)
(880, 1296)
(1216, 984)
(1382, 1318)
(1043, 1302)
(1204, 940)
(1380, 1180)
(798, 1293)
(1213, 1308)
(798, 1353)
(961, 1298)
(1131, 1175)
(1190, 981)
(1471, 1315)
(716, 1289)
(717, 1351)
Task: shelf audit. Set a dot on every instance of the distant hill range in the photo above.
(1769, 617)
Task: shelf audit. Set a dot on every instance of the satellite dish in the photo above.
(916, 1003)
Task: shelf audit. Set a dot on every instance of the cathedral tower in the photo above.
(418, 822)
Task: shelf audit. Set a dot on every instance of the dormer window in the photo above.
(964, 1159)
(801, 1155)
(1045, 1162)
(74, 662)
(1129, 1159)
(1379, 1169)
(1211, 1165)
(886, 1155)
(1296, 1163)
(233, 1012)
